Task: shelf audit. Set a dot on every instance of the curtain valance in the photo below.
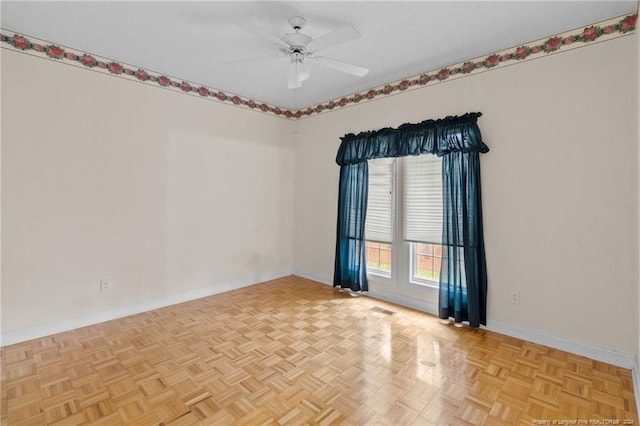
(439, 137)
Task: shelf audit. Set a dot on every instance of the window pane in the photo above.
(385, 257)
(426, 262)
(379, 258)
(379, 226)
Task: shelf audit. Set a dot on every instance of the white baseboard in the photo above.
(24, 334)
(313, 277)
(418, 305)
(536, 336)
(635, 373)
(578, 347)
(575, 346)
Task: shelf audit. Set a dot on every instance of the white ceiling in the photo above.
(192, 40)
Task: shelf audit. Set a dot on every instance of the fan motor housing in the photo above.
(296, 40)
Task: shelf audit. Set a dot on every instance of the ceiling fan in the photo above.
(300, 50)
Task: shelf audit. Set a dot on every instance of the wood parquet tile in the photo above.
(295, 352)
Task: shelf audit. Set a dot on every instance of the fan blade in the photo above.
(335, 37)
(341, 66)
(268, 39)
(260, 59)
(294, 84)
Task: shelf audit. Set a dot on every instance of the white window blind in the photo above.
(379, 225)
(423, 198)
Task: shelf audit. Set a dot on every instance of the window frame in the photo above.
(402, 259)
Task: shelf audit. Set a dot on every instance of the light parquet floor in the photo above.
(292, 351)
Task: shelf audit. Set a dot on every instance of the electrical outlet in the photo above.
(514, 298)
(104, 285)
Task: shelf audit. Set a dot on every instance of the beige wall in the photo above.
(162, 194)
(166, 194)
(637, 378)
(560, 187)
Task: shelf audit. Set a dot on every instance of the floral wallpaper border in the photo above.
(601, 31)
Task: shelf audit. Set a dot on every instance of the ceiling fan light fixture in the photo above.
(294, 84)
(303, 71)
(297, 72)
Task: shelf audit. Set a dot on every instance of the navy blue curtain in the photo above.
(439, 137)
(350, 269)
(463, 277)
(463, 271)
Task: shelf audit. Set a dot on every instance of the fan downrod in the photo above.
(297, 22)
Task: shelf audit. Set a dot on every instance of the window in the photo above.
(422, 184)
(379, 224)
(413, 218)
